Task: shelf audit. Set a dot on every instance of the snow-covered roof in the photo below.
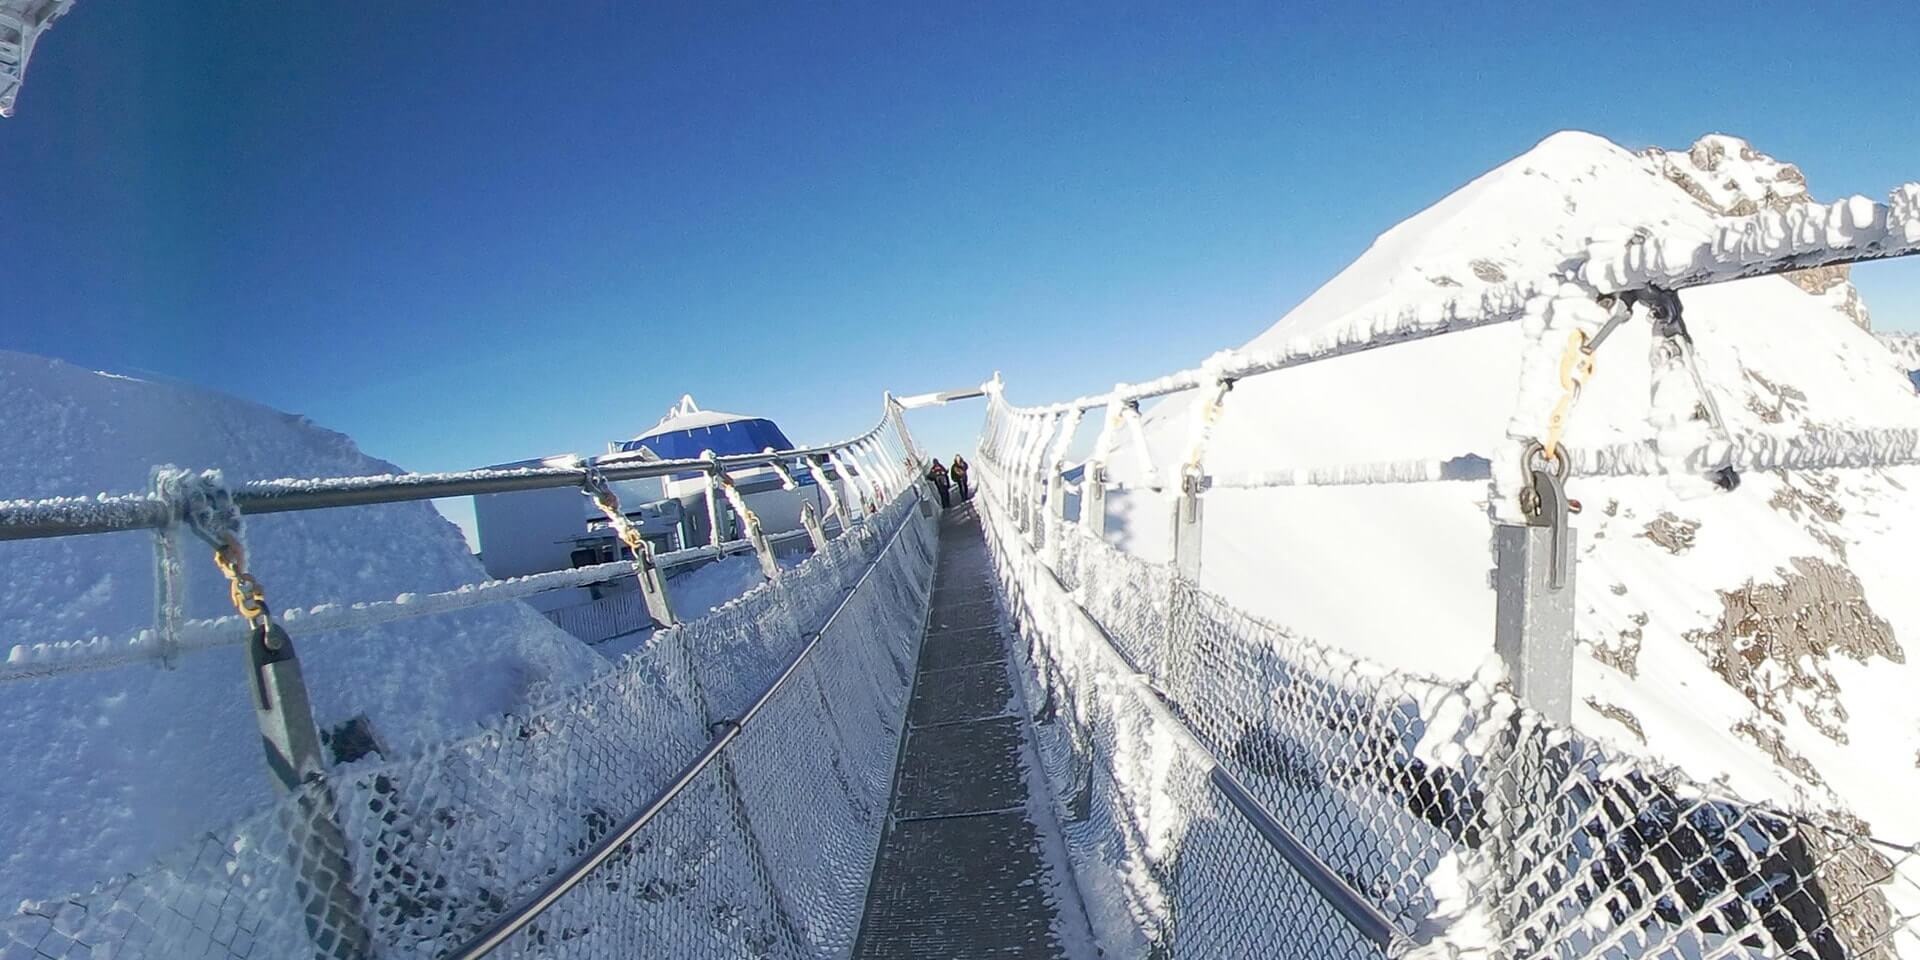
(687, 415)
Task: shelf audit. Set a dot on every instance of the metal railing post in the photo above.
(1093, 499)
(1533, 597)
(296, 758)
(1533, 635)
(1056, 495)
(1187, 511)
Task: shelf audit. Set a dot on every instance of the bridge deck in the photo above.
(962, 871)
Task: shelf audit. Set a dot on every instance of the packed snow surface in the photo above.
(105, 770)
(1767, 634)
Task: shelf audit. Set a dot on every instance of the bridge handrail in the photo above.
(574, 874)
(1736, 248)
(108, 513)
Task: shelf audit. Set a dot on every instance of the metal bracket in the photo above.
(294, 752)
(296, 758)
(1093, 499)
(653, 589)
(1186, 528)
(1549, 507)
(810, 518)
(1670, 327)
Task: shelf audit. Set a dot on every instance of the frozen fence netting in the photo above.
(1461, 818)
(766, 852)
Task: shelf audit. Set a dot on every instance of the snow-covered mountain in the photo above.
(1766, 634)
(106, 770)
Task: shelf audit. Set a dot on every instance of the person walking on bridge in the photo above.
(938, 474)
(959, 472)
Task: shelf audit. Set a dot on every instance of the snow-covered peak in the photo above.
(1766, 634)
(1522, 221)
(1728, 176)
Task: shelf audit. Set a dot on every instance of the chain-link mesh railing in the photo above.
(766, 851)
(1458, 816)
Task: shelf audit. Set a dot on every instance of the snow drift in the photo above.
(1765, 635)
(106, 770)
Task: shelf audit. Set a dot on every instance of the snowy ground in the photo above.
(106, 770)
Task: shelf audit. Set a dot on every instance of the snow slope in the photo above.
(1768, 634)
(106, 770)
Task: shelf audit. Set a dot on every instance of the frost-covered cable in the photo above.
(1410, 470)
(105, 513)
(780, 470)
(1390, 319)
(1205, 414)
(1136, 430)
(53, 658)
(835, 504)
(1057, 454)
(858, 484)
(1796, 237)
(750, 523)
(1817, 449)
(1768, 242)
(169, 587)
(710, 485)
(1558, 327)
(883, 464)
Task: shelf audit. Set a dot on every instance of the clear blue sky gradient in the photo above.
(478, 232)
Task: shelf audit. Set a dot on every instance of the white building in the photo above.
(535, 531)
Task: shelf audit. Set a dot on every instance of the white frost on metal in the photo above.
(21, 23)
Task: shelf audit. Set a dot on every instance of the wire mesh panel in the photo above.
(616, 612)
(1462, 819)
(1173, 869)
(764, 853)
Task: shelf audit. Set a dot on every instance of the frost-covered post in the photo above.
(283, 714)
(1187, 505)
(653, 587)
(1533, 540)
(1033, 481)
(168, 587)
(1056, 462)
(1093, 474)
(716, 513)
(1533, 603)
(1533, 581)
(1021, 436)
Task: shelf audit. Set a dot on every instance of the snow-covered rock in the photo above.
(105, 770)
(1768, 634)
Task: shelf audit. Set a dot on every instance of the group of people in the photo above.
(946, 479)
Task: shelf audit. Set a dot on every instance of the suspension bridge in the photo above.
(990, 733)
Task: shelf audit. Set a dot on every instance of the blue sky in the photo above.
(478, 232)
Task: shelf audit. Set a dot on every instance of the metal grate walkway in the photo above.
(961, 870)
